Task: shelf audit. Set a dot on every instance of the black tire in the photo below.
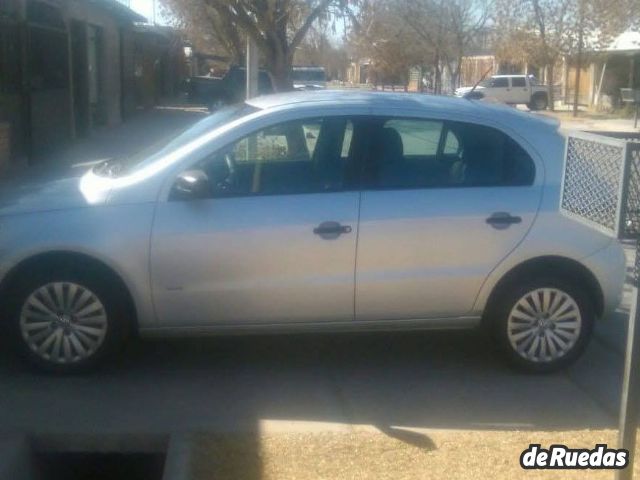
(101, 286)
(538, 102)
(499, 315)
(475, 95)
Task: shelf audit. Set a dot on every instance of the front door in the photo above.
(444, 203)
(275, 243)
(498, 88)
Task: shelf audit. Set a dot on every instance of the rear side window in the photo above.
(419, 137)
(412, 154)
(489, 157)
(518, 82)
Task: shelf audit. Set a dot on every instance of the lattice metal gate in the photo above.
(601, 188)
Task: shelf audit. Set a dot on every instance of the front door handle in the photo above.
(502, 220)
(329, 230)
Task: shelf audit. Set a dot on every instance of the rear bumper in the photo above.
(609, 265)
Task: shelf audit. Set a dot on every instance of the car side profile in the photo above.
(308, 212)
(510, 89)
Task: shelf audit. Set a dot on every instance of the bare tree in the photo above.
(318, 49)
(594, 24)
(446, 29)
(381, 35)
(541, 32)
(277, 26)
(207, 30)
(466, 19)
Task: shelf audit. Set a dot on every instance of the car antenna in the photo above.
(478, 82)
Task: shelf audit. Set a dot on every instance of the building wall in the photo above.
(473, 68)
(109, 73)
(46, 92)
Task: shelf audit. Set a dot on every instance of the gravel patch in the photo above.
(388, 453)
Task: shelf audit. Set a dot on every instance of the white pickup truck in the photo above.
(512, 89)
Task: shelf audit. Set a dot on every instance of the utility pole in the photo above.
(252, 68)
(628, 425)
(252, 91)
(579, 59)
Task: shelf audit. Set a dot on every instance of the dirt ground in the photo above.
(394, 453)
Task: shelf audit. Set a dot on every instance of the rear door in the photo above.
(520, 91)
(443, 203)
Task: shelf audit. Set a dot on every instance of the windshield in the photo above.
(123, 165)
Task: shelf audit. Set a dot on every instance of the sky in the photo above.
(145, 7)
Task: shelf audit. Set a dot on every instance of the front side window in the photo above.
(304, 156)
(501, 82)
(518, 82)
(410, 154)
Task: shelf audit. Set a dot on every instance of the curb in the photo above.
(177, 464)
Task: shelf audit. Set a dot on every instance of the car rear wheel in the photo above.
(544, 324)
(66, 322)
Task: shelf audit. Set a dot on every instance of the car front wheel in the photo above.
(543, 325)
(66, 322)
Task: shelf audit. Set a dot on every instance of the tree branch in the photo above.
(302, 31)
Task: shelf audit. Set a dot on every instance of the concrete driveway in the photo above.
(426, 380)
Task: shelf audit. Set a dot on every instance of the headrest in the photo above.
(388, 146)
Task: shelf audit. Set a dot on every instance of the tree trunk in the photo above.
(576, 92)
(279, 69)
(550, 97)
(437, 77)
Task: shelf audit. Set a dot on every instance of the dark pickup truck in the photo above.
(231, 88)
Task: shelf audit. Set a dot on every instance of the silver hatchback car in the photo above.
(309, 212)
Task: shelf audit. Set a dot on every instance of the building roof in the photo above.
(627, 41)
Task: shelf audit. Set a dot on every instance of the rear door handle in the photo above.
(329, 230)
(502, 220)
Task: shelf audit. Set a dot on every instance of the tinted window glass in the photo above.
(419, 137)
(432, 154)
(499, 82)
(404, 154)
(346, 140)
(173, 142)
(488, 157)
(451, 144)
(518, 82)
(291, 158)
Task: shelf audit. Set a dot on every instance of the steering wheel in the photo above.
(230, 183)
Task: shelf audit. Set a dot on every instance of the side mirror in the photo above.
(191, 184)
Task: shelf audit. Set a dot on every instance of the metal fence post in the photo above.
(630, 402)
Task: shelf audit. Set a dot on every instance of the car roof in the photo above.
(433, 104)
